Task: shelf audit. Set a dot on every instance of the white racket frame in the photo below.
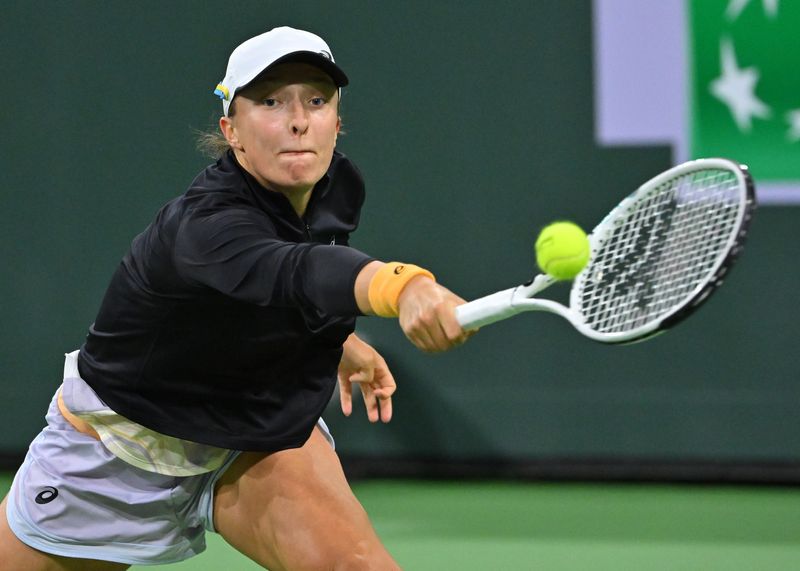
(510, 302)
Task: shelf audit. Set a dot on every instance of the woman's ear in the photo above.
(229, 132)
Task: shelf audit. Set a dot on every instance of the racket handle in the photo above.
(486, 310)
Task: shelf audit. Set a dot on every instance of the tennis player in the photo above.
(195, 403)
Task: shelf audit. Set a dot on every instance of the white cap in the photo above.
(279, 45)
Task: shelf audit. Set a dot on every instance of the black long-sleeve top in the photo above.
(224, 323)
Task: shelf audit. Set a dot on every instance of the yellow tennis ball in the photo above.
(562, 250)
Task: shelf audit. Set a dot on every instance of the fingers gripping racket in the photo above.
(654, 258)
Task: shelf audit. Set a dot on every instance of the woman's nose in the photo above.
(299, 118)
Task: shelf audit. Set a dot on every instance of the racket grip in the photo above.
(486, 310)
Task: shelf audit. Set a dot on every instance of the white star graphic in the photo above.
(735, 8)
(793, 118)
(736, 89)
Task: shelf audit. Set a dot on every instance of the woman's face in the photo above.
(285, 126)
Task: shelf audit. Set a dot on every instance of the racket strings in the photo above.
(659, 250)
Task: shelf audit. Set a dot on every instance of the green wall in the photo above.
(473, 125)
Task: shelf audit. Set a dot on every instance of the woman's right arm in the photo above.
(426, 310)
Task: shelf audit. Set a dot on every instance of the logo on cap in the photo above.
(222, 92)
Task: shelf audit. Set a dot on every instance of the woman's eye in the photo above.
(317, 101)
(269, 102)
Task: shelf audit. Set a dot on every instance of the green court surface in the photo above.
(507, 526)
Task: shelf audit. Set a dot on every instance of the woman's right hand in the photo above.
(427, 316)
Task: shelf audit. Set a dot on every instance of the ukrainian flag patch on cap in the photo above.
(222, 92)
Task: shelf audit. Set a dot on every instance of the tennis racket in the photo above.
(655, 258)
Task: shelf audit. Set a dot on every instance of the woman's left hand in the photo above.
(363, 365)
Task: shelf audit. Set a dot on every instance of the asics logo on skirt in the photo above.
(47, 495)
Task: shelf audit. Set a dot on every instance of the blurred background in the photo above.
(475, 124)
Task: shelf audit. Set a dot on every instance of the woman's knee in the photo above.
(364, 555)
(370, 558)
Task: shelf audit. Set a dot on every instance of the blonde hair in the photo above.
(211, 142)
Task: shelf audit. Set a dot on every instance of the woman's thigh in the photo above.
(15, 555)
(294, 510)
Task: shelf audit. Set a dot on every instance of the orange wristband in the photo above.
(387, 284)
